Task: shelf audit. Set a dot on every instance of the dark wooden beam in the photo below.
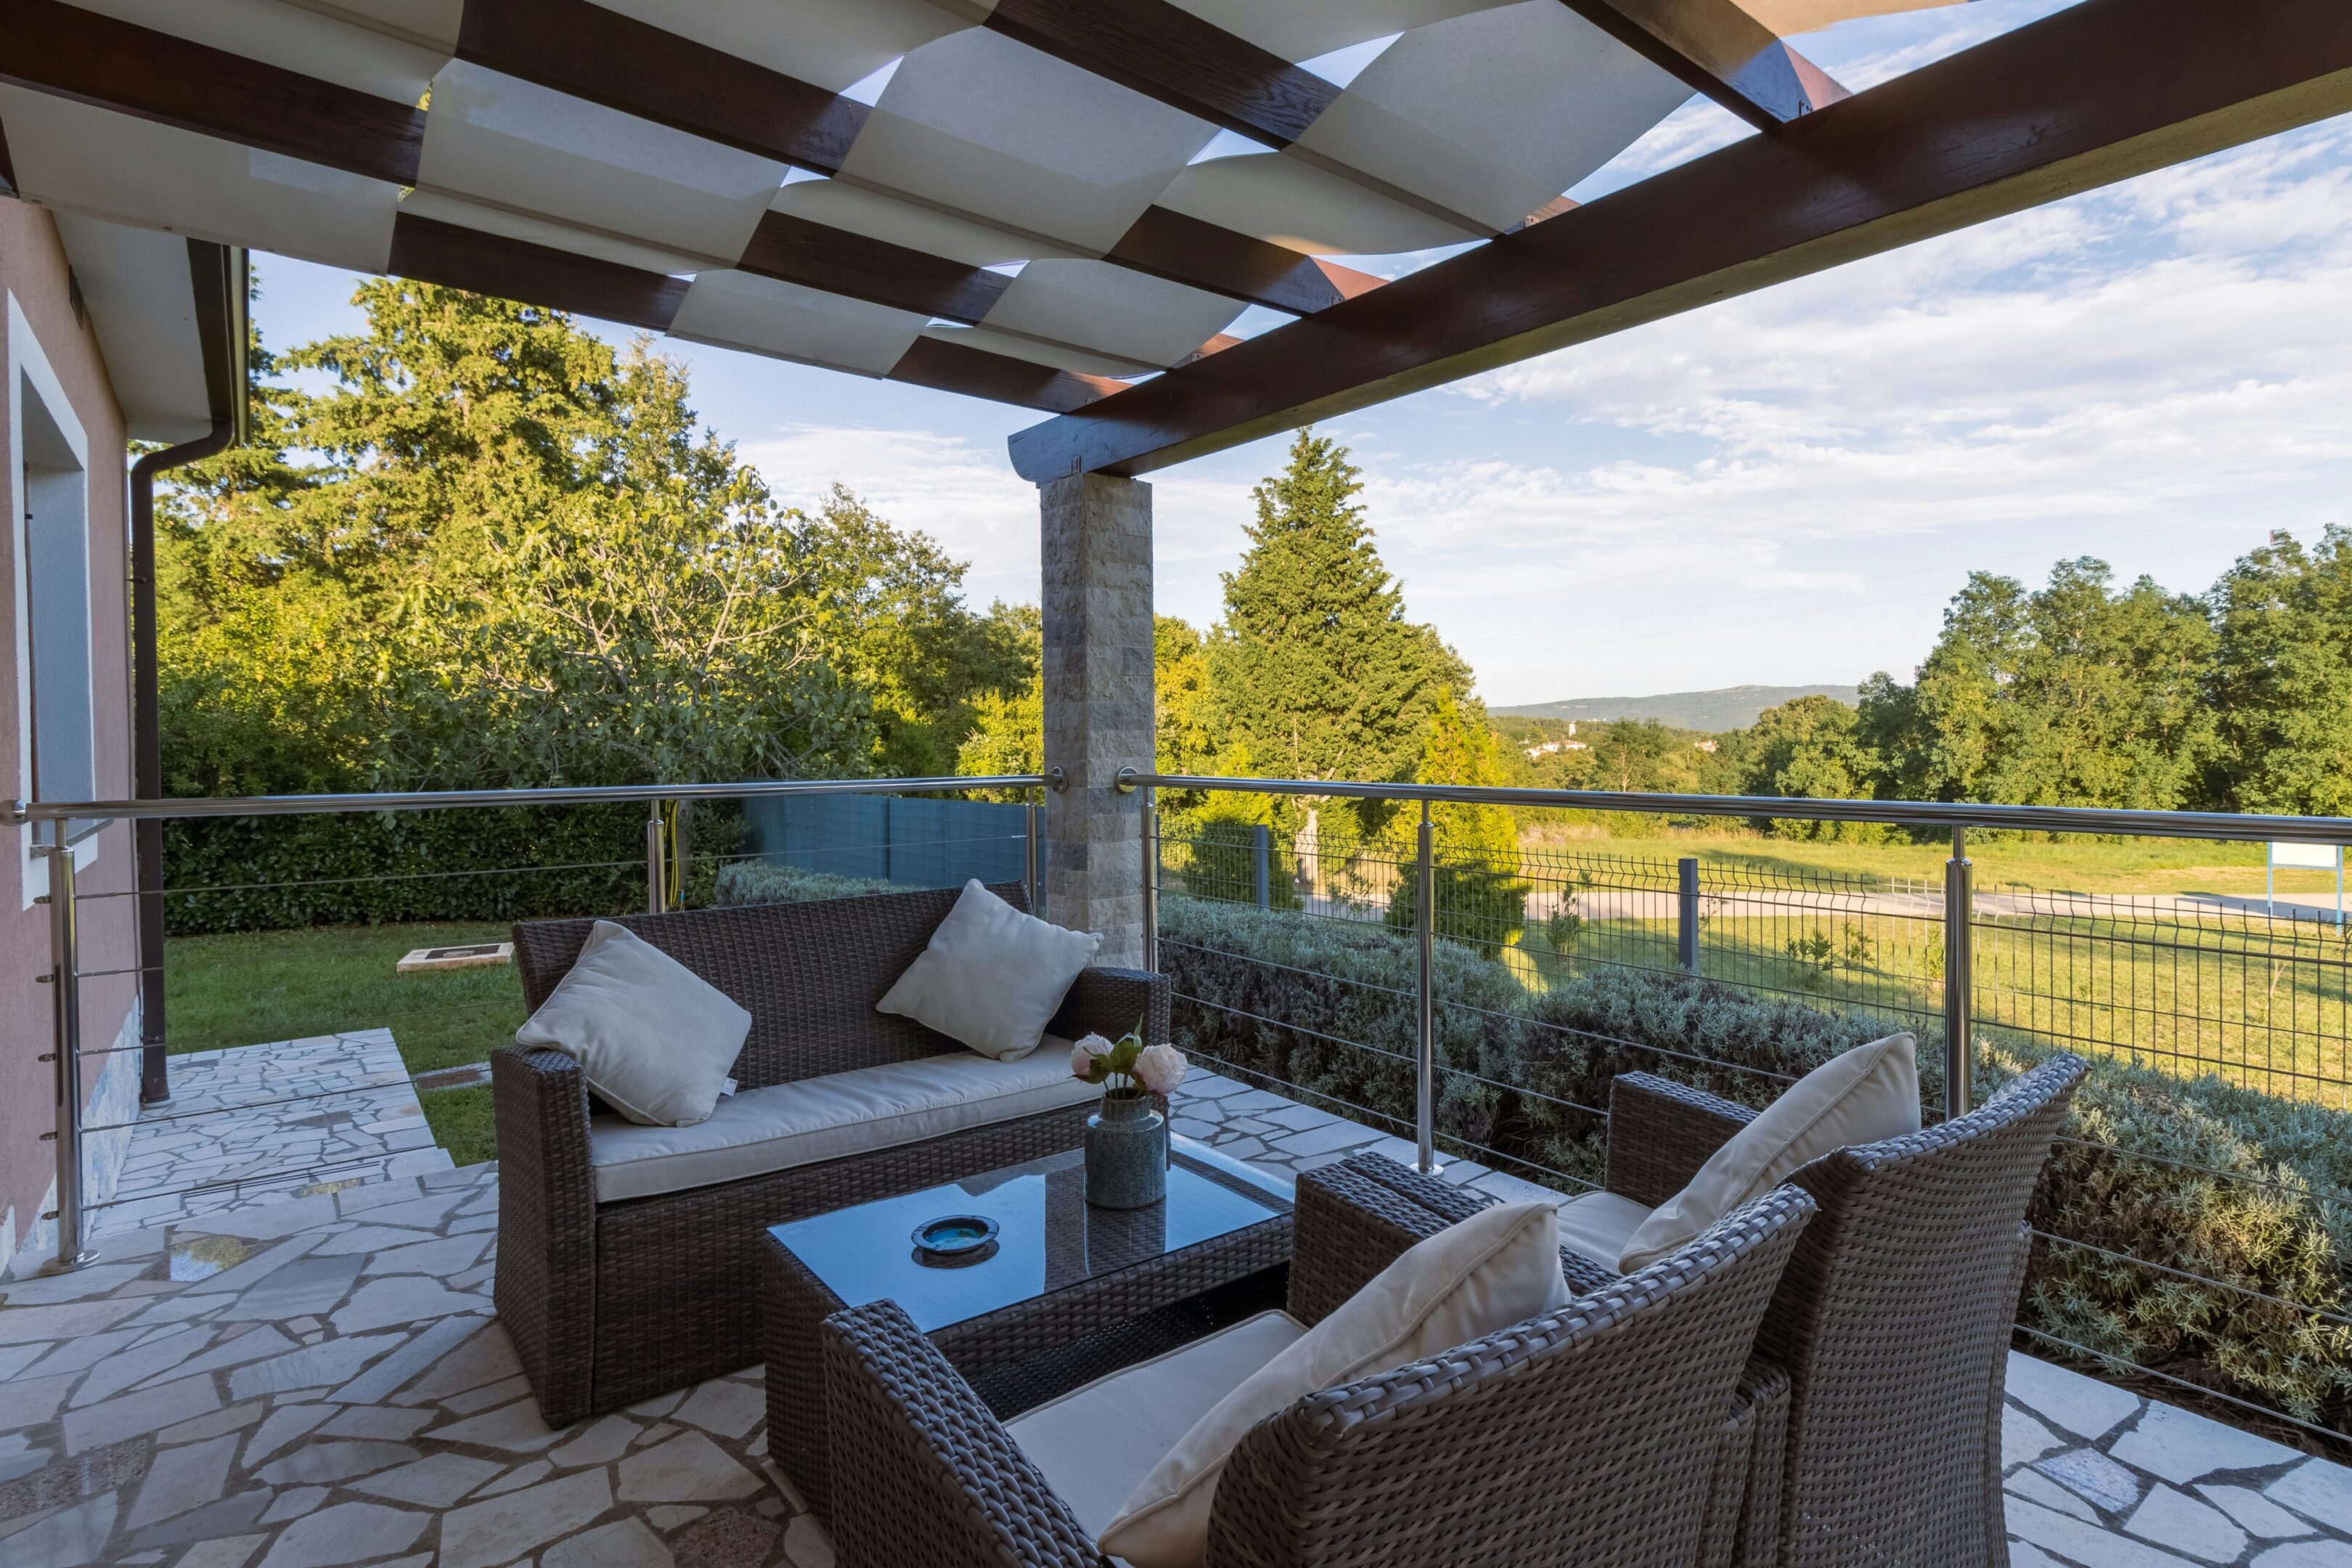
(1174, 56)
(1167, 244)
(796, 251)
(432, 251)
(94, 58)
(585, 50)
(975, 372)
(1719, 51)
(2098, 93)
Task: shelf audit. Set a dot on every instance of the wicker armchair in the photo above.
(1589, 1435)
(609, 1303)
(1893, 1321)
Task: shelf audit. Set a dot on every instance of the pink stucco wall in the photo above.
(33, 273)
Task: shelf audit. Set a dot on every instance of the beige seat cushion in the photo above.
(991, 976)
(815, 1119)
(1859, 1097)
(653, 1039)
(1499, 1267)
(1598, 1224)
(1095, 1444)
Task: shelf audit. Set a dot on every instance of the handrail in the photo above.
(2221, 825)
(21, 812)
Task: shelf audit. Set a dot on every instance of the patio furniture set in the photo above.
(1343, 1371)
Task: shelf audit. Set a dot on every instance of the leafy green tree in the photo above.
(2282, 678)
(493, 551)
(1811, 749)
(1481, 898)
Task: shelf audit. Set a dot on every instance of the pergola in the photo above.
(1063, 203)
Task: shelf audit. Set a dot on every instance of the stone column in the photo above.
(1097, 535)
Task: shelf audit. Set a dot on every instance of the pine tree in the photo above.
(1316, 671)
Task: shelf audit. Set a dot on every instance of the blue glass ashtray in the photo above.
(957, 1238)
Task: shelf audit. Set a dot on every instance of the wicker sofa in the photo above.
(627, 1257)
(1615, 1431)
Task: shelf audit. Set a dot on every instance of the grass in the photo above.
(246, 988)
(2073, 864)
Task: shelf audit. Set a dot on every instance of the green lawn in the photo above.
(2083, 866)
(248, 987)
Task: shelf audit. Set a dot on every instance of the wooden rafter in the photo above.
(97, 60)
(2092, 94)
(1184, 250)
(1720, 51)
(435, 252)
(1169, 54)
(818, 256)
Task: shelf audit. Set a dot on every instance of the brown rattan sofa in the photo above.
(609, 1302)
(1591, 1435)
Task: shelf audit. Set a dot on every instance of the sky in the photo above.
(1782, 488)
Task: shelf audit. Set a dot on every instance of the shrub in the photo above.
(768, 882)
(2194, 1175)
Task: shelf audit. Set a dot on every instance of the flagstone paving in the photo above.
(252, 1124)
(319, 1381)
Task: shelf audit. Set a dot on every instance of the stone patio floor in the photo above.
(307, 1380)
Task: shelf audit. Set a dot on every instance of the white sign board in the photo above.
(2311, 856)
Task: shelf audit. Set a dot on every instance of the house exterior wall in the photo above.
(52, 358)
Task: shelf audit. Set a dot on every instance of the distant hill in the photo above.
(1733, 707)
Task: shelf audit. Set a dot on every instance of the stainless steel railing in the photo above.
(65, 972)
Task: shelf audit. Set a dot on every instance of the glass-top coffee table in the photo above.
(1064, 1293)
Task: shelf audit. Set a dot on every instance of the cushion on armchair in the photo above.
(653, 1038)
(1862, 1096)
(1475, 1277)
(991, 976)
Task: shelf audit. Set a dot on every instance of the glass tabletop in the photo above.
(1048, 1237)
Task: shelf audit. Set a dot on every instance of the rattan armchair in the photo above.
(609, 1303)
(1893, 1321)
(1589, 1435)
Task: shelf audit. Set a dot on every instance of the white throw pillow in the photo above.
(1499, 1267)
(1858, 1096)
(653, 1039)
(991, 977)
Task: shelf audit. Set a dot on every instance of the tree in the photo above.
(2282, 678)
(1811, 749)
(1316, 672)
(1481, 898)
(496, 552)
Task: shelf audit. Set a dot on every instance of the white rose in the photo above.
(1083, 1055)
(1161, 1069)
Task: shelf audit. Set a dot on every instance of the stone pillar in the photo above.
(1097, 535)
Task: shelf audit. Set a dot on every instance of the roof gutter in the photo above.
(219, 275)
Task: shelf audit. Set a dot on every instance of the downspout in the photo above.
(218, 275)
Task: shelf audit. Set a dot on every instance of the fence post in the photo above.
(1260, 855)
(1033, 812)
(657, 893)
(65, 942)
(1959, 980)
(1686, 915)
(1150, 836)
(1424, 925)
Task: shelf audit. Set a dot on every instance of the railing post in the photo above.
(1034, 823)
(65, 942)
(1261, 857)
(1959, 979)
(1686, 915)
(1424, 925)
(1150, 838)
(656, 893)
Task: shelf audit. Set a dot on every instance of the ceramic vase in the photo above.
(1127, 1154)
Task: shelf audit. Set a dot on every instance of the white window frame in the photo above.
(28, 364)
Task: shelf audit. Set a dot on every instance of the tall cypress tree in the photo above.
(1316, 672)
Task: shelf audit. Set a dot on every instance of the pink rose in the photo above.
(1083, 1055)
(1161, 1069)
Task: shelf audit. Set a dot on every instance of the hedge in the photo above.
(2192, 1175)
(505, 863)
